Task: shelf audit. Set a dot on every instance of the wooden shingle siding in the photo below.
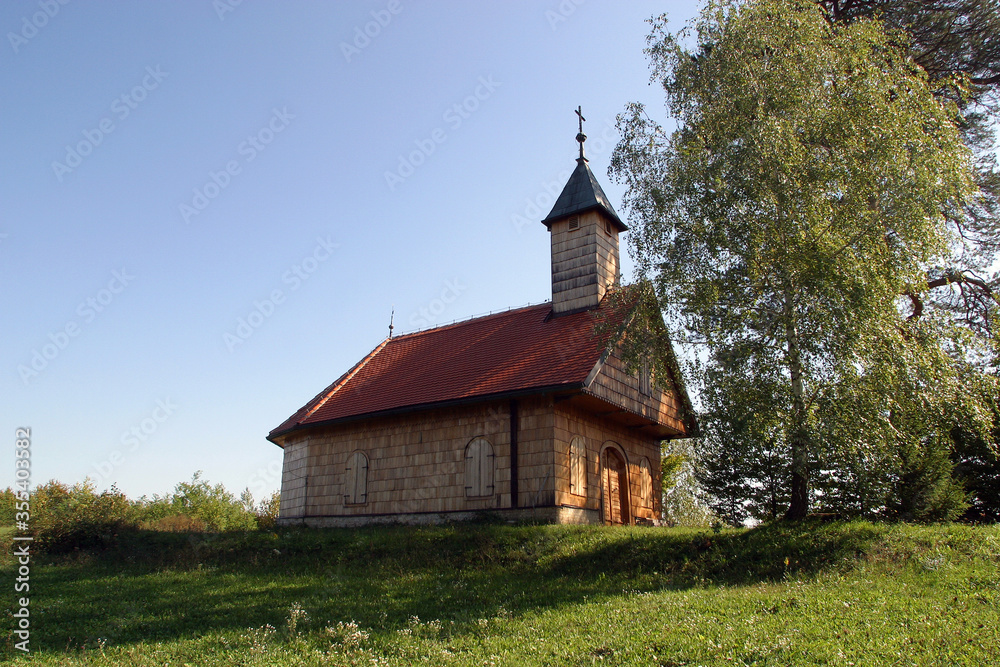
(416, 462)
(645, 483)
(584, 262)
(617, 386)
(293, 476)
(596, 432)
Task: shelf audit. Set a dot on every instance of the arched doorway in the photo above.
(614, 482)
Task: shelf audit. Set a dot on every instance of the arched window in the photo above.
(479, 468)
(578, 466)
(645, 483)
(356, 479)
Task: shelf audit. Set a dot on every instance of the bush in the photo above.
(202, 506)
(176, 523)
(65, 518)
(267, 511)
(7, 504)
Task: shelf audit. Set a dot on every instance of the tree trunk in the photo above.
(799, 438)
(799, 505)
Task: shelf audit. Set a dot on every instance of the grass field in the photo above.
(817, 593)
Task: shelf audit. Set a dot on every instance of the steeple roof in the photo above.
(582, 193)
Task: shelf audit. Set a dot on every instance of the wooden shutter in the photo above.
(479, 468)
(349, 480)
(472, 469)
(360, 478)
(486, 468)
(356, 479)
(645, 482)
(578, 466)
(645, 377)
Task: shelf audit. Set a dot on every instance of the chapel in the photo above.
(528, 414)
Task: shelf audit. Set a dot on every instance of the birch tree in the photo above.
(801, 199)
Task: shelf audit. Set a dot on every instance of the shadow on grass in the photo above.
(767, 553)
(167, 586)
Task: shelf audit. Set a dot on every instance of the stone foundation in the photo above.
(561, 515)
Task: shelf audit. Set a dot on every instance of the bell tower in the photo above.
(584, 231)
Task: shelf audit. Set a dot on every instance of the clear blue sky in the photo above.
(170, 168)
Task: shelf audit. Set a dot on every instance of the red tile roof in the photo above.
(516, 351)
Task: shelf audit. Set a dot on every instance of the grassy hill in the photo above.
(489, 594)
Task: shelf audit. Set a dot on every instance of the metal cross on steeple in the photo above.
(581, 137)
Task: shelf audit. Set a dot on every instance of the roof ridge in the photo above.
(456, 323)
(344, 379)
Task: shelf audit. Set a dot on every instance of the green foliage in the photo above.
(206, 507)
(809, 186)
(217, 507)
(7, 506)
(977, 465)
(266, 512)
(671, 465)
(73, 518)
(926, 488)
(683, 504)
(802, 594)
(747, 465)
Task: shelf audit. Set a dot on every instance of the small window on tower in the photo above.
(607, 227)
(574, 223)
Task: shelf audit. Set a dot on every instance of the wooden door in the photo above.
(615, 480)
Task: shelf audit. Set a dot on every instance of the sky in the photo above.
(209, 210)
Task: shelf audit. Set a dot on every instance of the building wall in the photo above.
(616, 385)
(584, 261)
(599, 433)
(293, 477)
(416, 462)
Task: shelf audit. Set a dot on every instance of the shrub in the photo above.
(202, 506)
(176, 523)
(214, 505)
(65, 518)
(7, 503)
(267, 511)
